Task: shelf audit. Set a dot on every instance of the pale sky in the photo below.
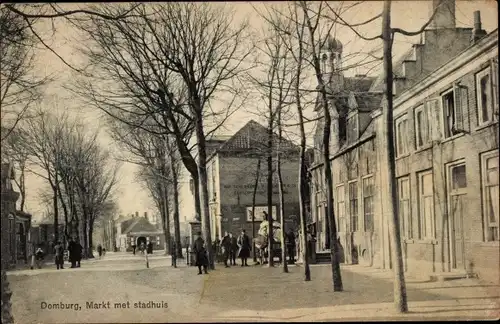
(409, 15)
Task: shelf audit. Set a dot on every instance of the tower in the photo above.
(331, 63)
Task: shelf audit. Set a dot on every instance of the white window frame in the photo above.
(485, 186)
(447, 132)
(401, 142)
(423, 129)
(426, 223)
(364, 197)
(479, 104)
(340, 217)
(351, 229)
(460, 111)
(407, 224)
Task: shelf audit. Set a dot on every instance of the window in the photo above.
(368, 192)
(353, 205)
(404, 207)
(454, 110)
(426, 205)
(352, 129)
(341, 208)
(484, 92)
(422, 126)
(490, 195)
(402, 136)
(458, 177)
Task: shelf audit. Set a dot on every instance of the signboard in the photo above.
(258, 213)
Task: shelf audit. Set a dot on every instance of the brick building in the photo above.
(15, 225)
(137, 229)
(232, 173)
(446, 140)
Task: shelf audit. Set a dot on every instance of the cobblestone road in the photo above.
(234, 294)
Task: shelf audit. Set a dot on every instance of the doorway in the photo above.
(140, 240)
(457, 186)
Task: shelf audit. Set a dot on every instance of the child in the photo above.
(39, 255)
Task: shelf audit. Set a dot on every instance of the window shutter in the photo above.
(494, 86)
(434, 109)
(458, 109)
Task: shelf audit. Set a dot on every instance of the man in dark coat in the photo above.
(72, 252)
(290, 246)
(234, 249)
(78, 253)
(226, 247)
(200, 254)
(99, 250)
(244, 248)
(150, 248)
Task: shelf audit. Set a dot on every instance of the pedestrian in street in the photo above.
(150, 248)
(290, 246)
(234, 249)
(244, 248)
(39, 256)
(200, 254)
(226, 247)
(72, 251)
(78, 253)
(99, 250)
(103, 252)
(31, 254)
(59, 254)
(142, 248)
(133, 248)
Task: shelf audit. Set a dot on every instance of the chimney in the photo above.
(478, 32)
(444, 14)
(136, 214)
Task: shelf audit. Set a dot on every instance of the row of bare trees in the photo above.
(80, 174)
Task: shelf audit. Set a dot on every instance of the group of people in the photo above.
(101, 251)
(75, 250)
(143, 247)
(232, 248)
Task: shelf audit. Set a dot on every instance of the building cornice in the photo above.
(451, 70)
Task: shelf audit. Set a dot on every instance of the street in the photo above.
(120, 289)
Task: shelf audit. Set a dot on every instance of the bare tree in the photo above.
(165, 63)
(20, 88)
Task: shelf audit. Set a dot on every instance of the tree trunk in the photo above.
(253, 209)
(90, 231)
(166, 220)
(334, 247)
(85, 238)
(56, 213)
(177, 225)
(282, 210)
(7, 317)
(202, 171)
(270, 240)
(400, 298)
(65, 211)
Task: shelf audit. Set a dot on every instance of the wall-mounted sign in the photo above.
(259, 213)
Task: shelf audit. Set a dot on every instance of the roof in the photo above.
(397, 70)
(140, 224)
(7, 171)
(367, 101)
(358, 83)
(251, 136)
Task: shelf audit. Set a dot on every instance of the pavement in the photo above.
(248, 294)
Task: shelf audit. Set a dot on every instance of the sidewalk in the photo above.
(263, 294)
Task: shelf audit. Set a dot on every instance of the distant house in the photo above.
(15, 225)
(136, 229)
(232, 174)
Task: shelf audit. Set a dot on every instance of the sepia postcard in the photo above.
(287, 161)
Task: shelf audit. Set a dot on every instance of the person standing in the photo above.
(226, 248)
(39, 256)
(244, 248)
(59, 254)
(290, 246)
(133, 248)
(78, 253)
(71, 250)
(233, 250)
(201, 254)
(150, 248)
(99, 250)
